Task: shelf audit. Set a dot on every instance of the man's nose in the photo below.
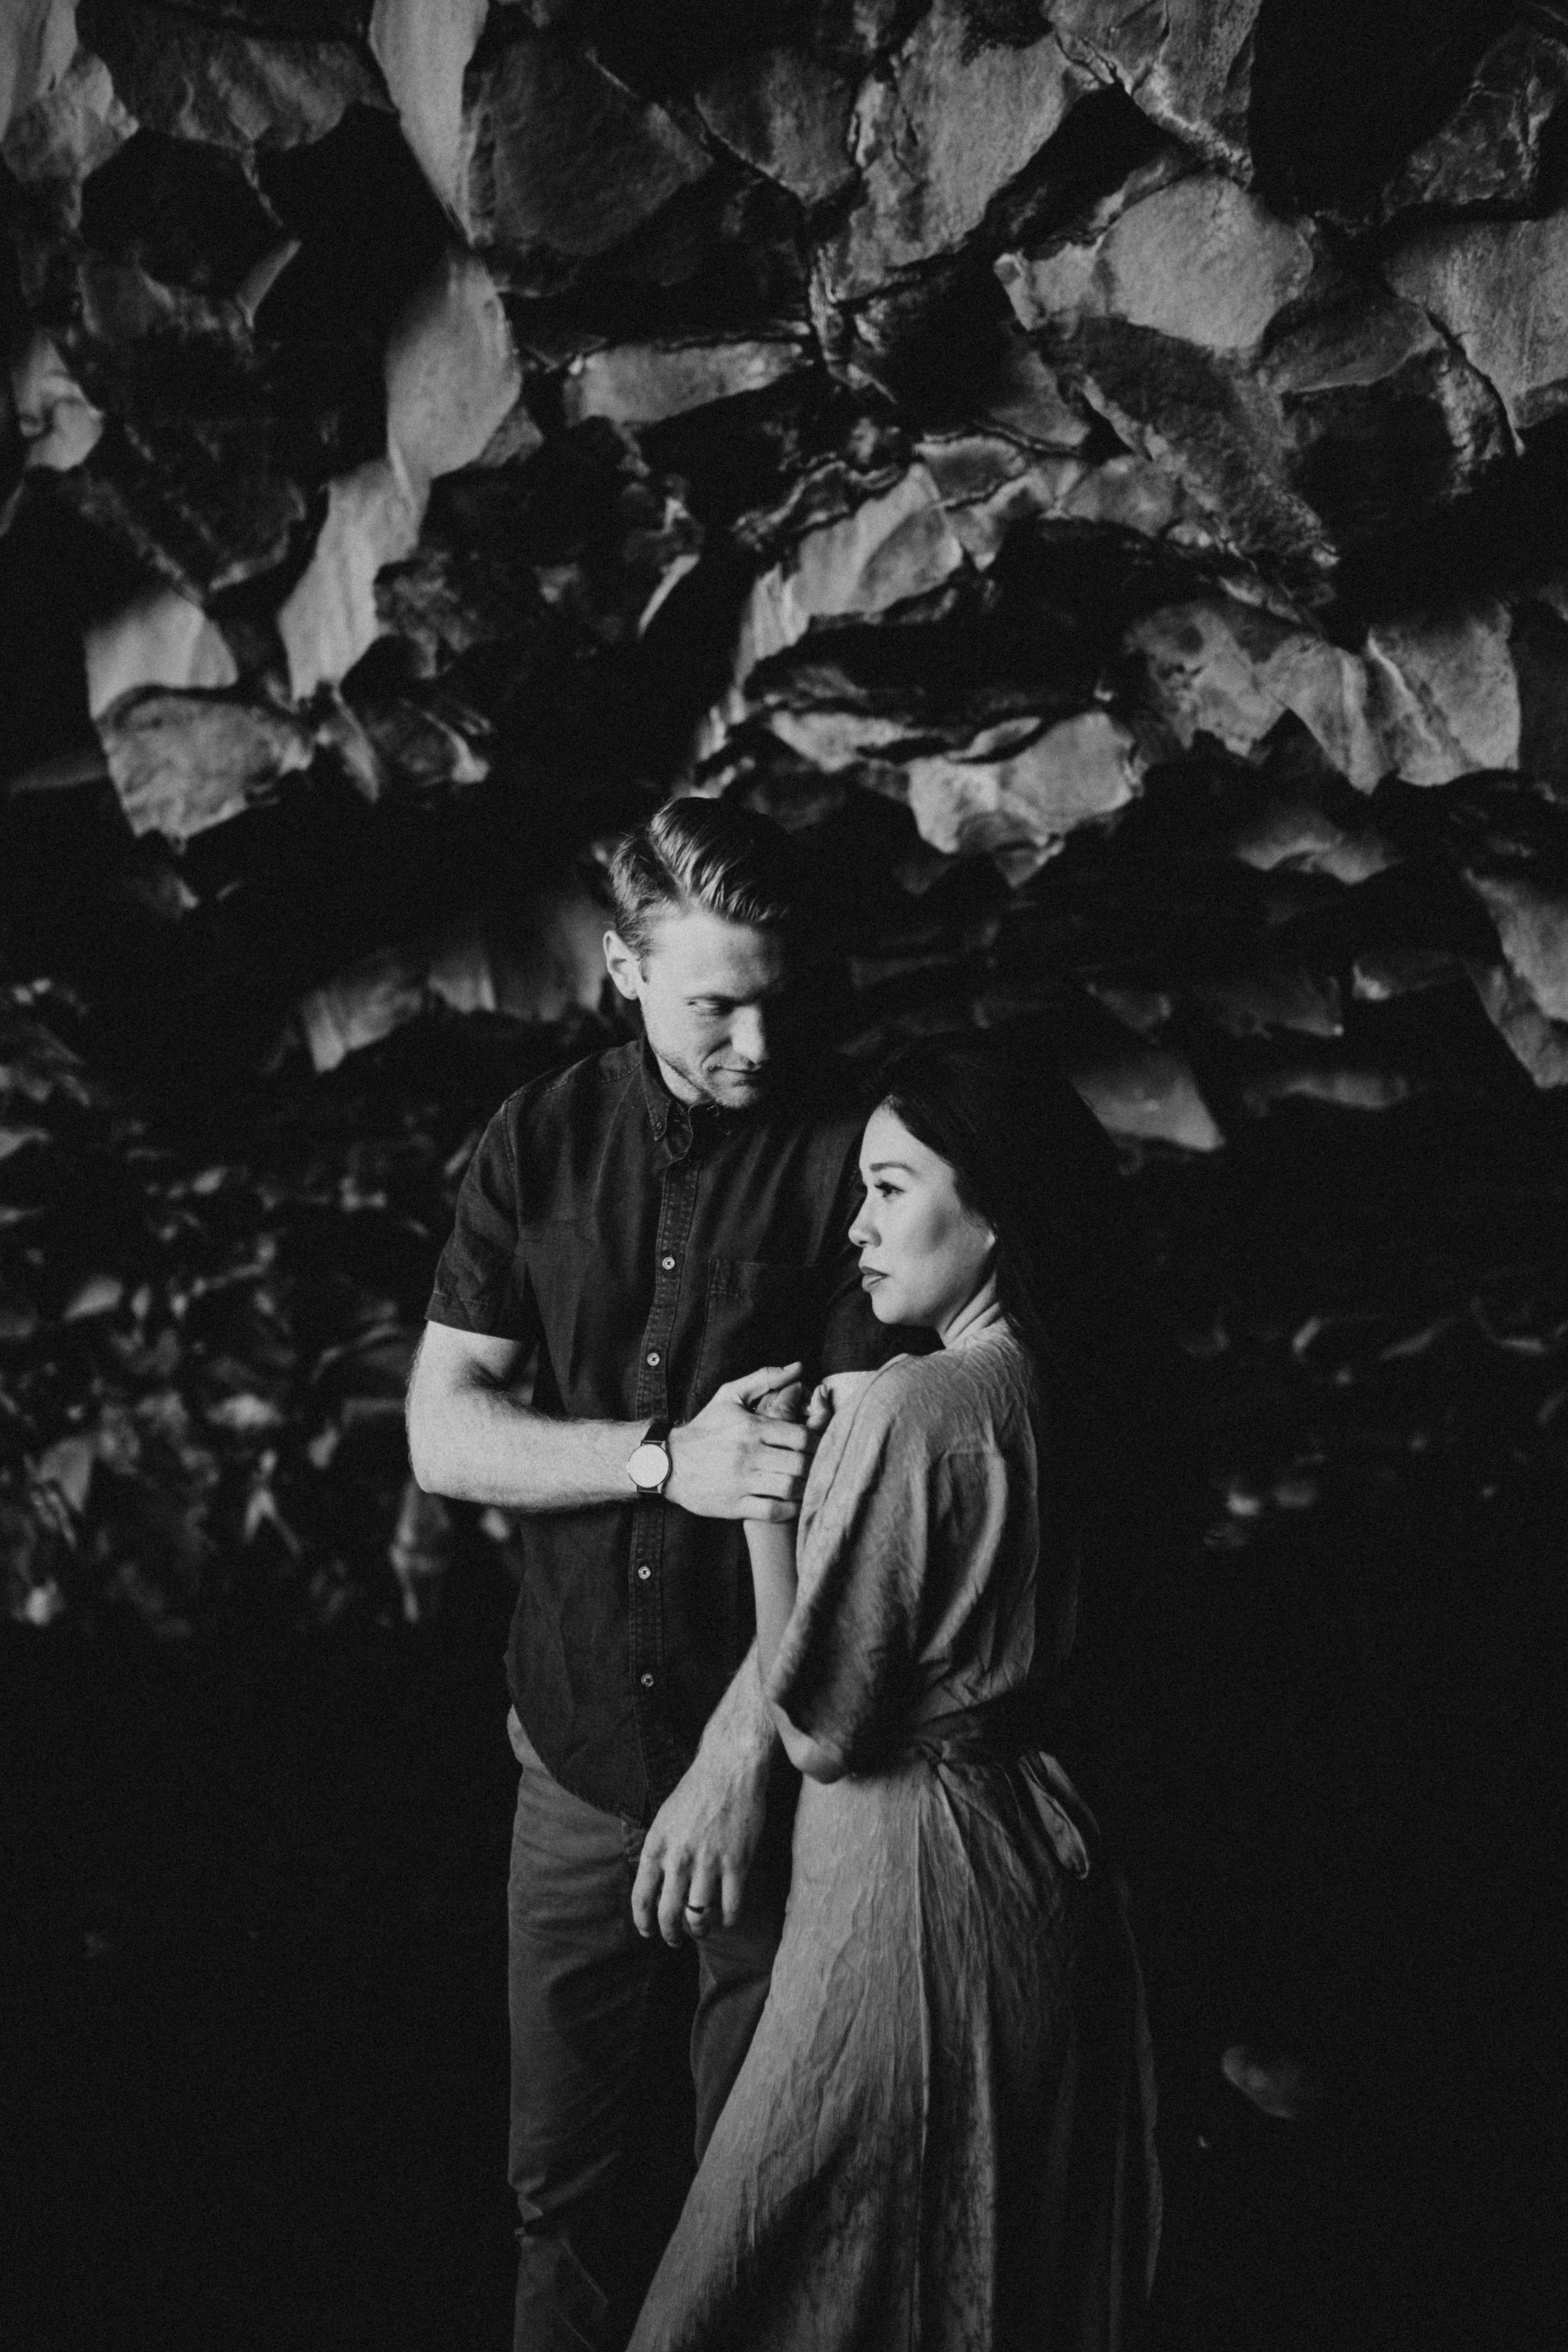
(749, 1035)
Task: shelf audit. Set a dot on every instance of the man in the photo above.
(665, 1228)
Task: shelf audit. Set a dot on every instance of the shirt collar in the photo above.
(655, 1093)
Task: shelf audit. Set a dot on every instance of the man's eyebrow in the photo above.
(755, 996)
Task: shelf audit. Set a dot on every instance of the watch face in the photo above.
(649, 1466)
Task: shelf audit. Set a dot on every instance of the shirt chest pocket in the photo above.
(755, 1313)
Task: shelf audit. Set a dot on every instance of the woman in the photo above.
(942, 2136)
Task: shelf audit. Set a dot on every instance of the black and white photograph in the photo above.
(784, 1175)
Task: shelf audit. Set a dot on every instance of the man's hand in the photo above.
(697, 1854)
(734, 1460)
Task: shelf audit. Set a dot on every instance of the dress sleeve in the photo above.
(481, 1284)
(881, 1516)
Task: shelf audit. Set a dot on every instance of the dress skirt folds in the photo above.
(942, 2137)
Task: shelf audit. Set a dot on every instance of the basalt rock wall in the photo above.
(1096, 470)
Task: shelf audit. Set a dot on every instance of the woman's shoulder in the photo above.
(954, 1396)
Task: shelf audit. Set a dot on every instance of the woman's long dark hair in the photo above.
(1031, 1159)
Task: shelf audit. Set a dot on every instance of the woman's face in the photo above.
(923, 1255)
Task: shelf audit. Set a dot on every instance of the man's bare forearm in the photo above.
(471, 1436)
(701, 1842)
(479, 1444)
(741, 1725)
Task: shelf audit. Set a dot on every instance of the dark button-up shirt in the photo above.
(648, 1253)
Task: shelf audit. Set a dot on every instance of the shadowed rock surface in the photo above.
(1022, 418)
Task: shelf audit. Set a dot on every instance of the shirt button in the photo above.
(653, 1355)
(647, 1681)
(644, 1573)
(668, 1263)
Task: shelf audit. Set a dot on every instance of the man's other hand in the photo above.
(734, 1460)
(698, 1852)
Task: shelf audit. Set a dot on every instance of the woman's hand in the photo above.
(836, 1393)
(782, 1403)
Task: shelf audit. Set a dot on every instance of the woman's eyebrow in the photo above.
(877, 1166)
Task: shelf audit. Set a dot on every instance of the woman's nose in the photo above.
(861, 1233)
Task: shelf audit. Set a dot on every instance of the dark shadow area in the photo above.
(1341, 93)
(254, 2064)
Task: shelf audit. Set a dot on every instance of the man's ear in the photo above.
(623, 968)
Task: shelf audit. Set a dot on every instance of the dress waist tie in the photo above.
(1013, 1730)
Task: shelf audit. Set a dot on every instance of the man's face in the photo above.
(712, 994)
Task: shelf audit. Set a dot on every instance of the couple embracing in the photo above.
(810, 1460)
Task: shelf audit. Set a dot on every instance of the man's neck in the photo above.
(677, 1084)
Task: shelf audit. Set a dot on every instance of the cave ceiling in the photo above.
(1096, 471)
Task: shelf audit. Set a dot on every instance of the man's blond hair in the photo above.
(707, 853)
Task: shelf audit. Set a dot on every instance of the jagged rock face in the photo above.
(1090, 468)
(1189, 70)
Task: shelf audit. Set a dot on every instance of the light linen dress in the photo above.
(942, 2137)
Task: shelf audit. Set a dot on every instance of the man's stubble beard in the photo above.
(738, 1089)
(751, 1089)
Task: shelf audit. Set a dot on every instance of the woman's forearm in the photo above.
(772, 1581)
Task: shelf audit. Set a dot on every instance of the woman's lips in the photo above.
(869, 1275)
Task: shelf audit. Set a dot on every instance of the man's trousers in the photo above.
(580, 1979)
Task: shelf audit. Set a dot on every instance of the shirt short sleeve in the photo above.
(481, 1285)
(877, 1511)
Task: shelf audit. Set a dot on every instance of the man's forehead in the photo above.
(704, 953)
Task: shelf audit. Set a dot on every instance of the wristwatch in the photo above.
(648, 1465)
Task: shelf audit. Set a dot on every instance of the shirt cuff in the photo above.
(444, 1308)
